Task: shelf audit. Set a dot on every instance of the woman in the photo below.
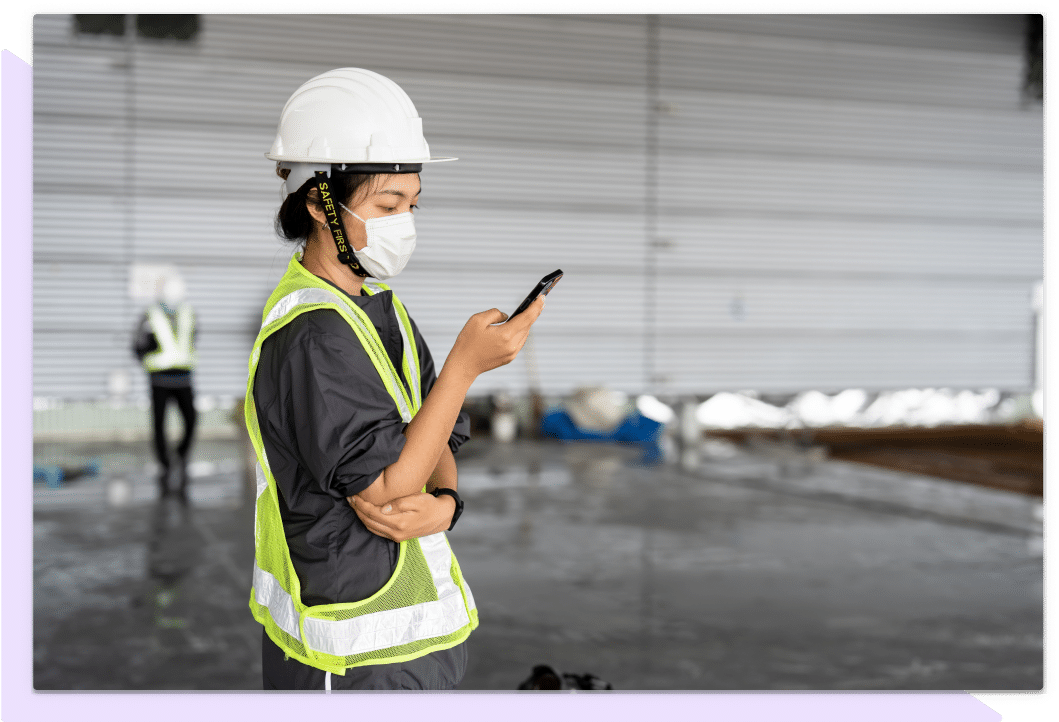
(354, 581)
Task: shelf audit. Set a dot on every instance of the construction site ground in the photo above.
(765, 566)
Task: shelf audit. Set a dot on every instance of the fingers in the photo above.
(368, 511)
(487, 343)
(409, 517)
(375, 520)
(393, 514)
(516, 331)
(397, 527)
(364, 506)
(493, 315)
(522, 341)
(379, 511)
(530, 315)
(378, 529)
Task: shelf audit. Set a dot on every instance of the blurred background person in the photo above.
(165, 344)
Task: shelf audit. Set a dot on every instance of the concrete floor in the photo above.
(712, 569)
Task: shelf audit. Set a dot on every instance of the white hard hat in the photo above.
(352, 119)
(172, 291)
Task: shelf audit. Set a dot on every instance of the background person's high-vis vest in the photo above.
(176, 346)
(426, 605)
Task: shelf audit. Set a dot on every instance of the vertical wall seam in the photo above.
(129, 201)
(650, 201)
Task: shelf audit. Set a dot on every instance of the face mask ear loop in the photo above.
(342, 205)
(335, 225)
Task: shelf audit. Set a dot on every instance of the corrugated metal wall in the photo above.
(846, 201)
(770, 202)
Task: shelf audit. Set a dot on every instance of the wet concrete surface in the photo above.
(724, 570)
(134, 592)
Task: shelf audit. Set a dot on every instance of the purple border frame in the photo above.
(19, 700)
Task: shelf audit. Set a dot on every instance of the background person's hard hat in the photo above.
(351, 118)
(172, 291)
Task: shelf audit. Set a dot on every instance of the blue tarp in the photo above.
(634, 429)
(54, 475)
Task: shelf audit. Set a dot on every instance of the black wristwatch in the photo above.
(459, 502)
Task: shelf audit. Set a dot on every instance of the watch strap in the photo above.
(459, 502)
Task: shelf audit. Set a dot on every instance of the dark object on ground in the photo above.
(584, 681)
(544, 677)
(54, 475)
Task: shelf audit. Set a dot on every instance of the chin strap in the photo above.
(335, 225)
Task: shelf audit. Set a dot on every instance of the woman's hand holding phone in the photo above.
(491, 339)
(486, 343)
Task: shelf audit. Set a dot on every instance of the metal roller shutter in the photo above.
(845, 201)
(812, 202)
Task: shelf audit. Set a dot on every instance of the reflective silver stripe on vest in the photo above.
(470, 597)
(393, 627)
(295, 298)
(378, 630)
(268, 592)
(174, 339)
(262, 481)
(413, 370)
(413, 364)
(320, 295)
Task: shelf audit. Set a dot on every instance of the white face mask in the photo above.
(391, 240)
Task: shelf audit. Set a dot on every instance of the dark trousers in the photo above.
(440, 670)
(185, 399)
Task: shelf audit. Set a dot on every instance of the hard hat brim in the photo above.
(333, 161)
(300, 171)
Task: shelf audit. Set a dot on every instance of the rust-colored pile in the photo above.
(1007, 457)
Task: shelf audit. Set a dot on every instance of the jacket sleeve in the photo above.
(461, 430)
(337, 414)
(143, 341)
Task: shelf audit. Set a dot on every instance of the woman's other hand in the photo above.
(485, 343)
(408, 517)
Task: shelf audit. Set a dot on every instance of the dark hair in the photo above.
(293, 221)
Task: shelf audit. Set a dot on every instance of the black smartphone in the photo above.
(546, 284)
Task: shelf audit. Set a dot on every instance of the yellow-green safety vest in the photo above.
(426, 605)
(176, 346)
